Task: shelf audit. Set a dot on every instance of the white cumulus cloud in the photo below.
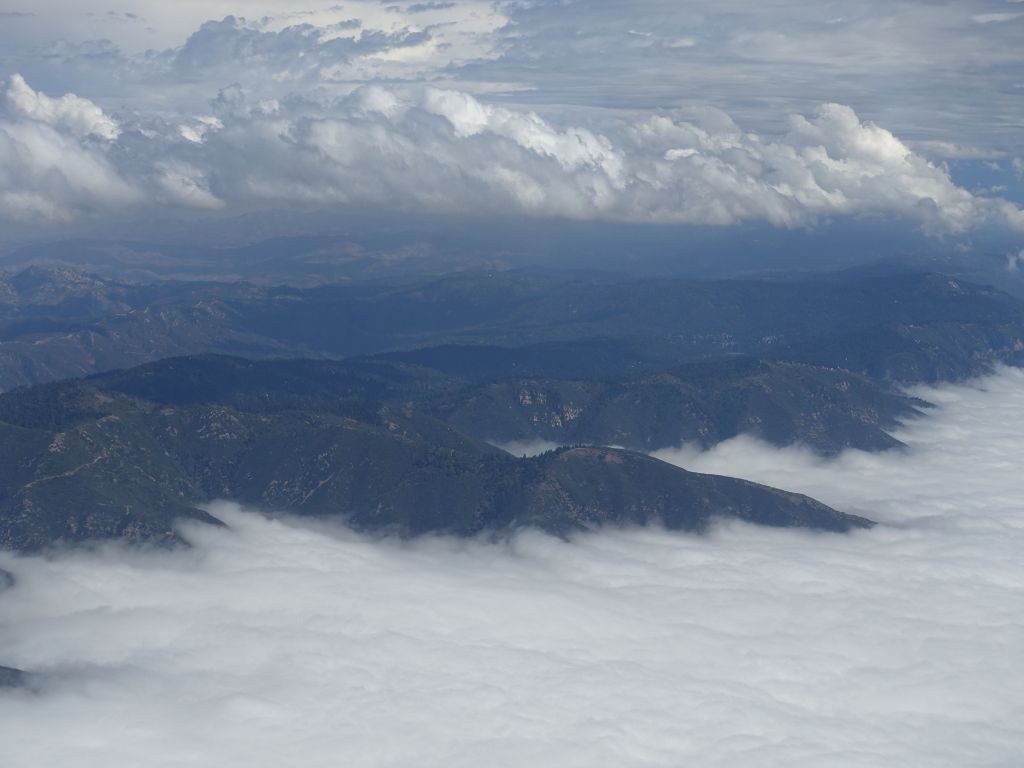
(49, 175)
(186, 185)
(427, 149)
(77, 115)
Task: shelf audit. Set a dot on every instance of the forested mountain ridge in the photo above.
(701, 403)
(81, 463)
(396, 435)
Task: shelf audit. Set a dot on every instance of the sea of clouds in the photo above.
(284, 642)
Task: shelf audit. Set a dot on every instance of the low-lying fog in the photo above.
(281, 643)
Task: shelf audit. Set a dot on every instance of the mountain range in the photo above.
(83, 462)
(58, 323)
(382, 402)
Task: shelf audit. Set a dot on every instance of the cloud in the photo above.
(831, 164)
(483, 158)
(439, 150)
(64, 158)
(924, 70)
(50, 176)
(526, 447)
(54, 158)
(187, 186)
(434, 6)
(78, 116)
(286, 642)
(296, 52)
(995, 18)
(561, 90)
(952, 151)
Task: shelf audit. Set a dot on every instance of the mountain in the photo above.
(57, 322)
(700, 403)
(83, 462)
(705, 403)
(903, 327)
(396, 436)
(361, 248)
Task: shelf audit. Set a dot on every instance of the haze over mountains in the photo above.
(398, 440)
(380, 404)
(56, 323)
(516, 383)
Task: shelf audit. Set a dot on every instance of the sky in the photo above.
(283, 642)
(785, 114)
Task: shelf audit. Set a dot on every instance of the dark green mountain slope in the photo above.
(702, 403)
(80, 462)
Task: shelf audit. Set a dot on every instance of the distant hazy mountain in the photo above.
(899, 327)
(361, 248)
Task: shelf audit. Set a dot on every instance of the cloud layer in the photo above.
(55, 158)
(679, 112)
(284, 643)
(440, 150)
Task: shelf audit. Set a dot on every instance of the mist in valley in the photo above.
(288, 642)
